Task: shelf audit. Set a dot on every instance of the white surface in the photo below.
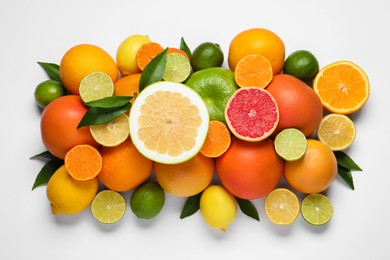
(34, 31)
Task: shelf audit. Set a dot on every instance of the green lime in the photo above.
(177, 69)
(147, 200)
(290, 144)
(317, 209)
(96, 85)
(108, 206)
(47, 91)
(301, 64)
(206, 55)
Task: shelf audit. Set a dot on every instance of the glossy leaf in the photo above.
(345, 161)
(110, 102)
(43, 155)
(100, 115)
(248, 208)
(184, 47)
(52, 70)
(346, 175)
(46, 172)
(191, 206)
(154, 71)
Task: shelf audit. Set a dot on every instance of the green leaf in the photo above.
(52, 70)
(344, 160)
(248, 208)
(154, 71)
(184, 47)
(346, 175)
(46, 172)
(191, 206)
(110, 102)
(43, 155)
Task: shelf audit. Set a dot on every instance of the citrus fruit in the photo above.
(299, 106)
(249, 170)
(301, 64)
(317, 209)
(177, 68)
(253, 70)
(206, 55)
(108, 206)
(252, 114)
(59, 123)
(336, 131)
(83, 59)
(342, 86)
(218, 207)
(290, 144)
(215, 86)
(47, 91)
(128, 86)
(257, 41)
(112, 133)
(187, 178)
(176, 50)
(315, 171)
(96, 85)
(83, 162)
(124, 168)
(147, 200)
(282, 206)
(67, 195)
(168, 122)
(147, 52)
(126, 54)
(217, 140)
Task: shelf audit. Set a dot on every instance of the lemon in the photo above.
(147, 200)
(207, 55)
(301, 64)
(112, 133)
(290, 144)
(177, 69)
(282, 206)
(108, 206)
(96, 85)
(317, 209)
(48, 91)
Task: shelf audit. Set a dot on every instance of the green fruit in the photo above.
(215, 86)
(47, 91)
(301, 64)
(206, 55)
(147, 200)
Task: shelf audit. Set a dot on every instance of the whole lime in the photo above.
(147, 200)
(47, 91)
(301, 64)
(206, 55)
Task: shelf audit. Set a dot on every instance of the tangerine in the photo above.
(127, 86)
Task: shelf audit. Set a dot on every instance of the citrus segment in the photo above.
(176, 50)
(112, 133)
(217, 140)
(290, 144)
(317, 209)
(253, 71)
(282, 206)
(177, 69)
(108, 206)
(95, 86)
(147, 52)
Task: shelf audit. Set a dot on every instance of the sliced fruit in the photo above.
(282, 206)
(253, 71)
(290, 144)
(252, 114)
(112, 133)
(108, 206)
(147, 52)
(317, 209)
(177, 69)
(168, 122)
(217, 140)
(96, 85)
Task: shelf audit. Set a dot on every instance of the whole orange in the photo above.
(250, 170)
(123, 167)
(127, 86)
(299, 106)
(257, 41)
(315, 171)
(187, 178)
(83, 59)
(59, 125)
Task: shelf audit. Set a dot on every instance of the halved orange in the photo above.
(147, 52)
(217, 141)
(253, 71)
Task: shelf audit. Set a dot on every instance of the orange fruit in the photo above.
(342, 86)
(187, 178)
(124, 168)
(217, 140)
(127, 86)
(257, 41)
(59, 123)
(176, 50)
(315, 171)
(250, 170)
(83, 59)
(147, 52)
(299, 106)
(253, 70)
(83, 162)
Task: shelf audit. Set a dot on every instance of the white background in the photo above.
(33, 31)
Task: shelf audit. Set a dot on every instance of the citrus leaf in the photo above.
(346, 175)
(46, 172)
(52, 70)
(248, 208)
(110, 102)
(184, 47)
(344, 160)
(154, 71)
(101, 115)
(43, 155)
(191, 206)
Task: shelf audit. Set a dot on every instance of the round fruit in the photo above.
(112, 133)
(250, 170)
(317, 209)
(253, 70)
(128, 86)
(59, 123)
(315, 171)
(108, 206)
(290, 144)
(147, 200)
(252, 114)
(301, 64)
(206, 55)
(299, 106)
(47, 91)
(147, 52)
(96, 85)
(282, 206)
(177, 68)
(217, 141)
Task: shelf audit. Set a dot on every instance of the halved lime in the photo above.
(112, 133)
(178, 68)
(108, 206)
(317, 209)
(290, 144)
(282, 206)
(96, 85)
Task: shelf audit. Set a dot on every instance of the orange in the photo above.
(124, 168)
(257, 41)
(250, 170)
(253, 71)
(83, 59)
(342, 86)
(217, 140)
(185, 179)
(127, 86)
(176, 50)
(147, 52)
(299, 106)
(315, 171)
(59, 123)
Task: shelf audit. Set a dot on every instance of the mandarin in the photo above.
(127, 86)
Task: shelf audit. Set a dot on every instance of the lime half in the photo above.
(108, 206)
(282, 206)
(290, 144)
(112, 133)
(96, 85)
(317, 209)
(178, 68)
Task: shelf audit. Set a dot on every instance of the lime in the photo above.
(147, 200)
(301, 64)
(112, 133)
(47, 91)
(96, 85)
(317, 209)
(108, 206)
(282, 206)
(206, 55)
(177, 69)
(290, 144)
